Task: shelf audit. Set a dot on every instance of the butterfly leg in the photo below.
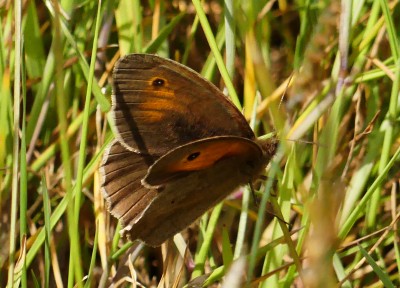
(255, 198)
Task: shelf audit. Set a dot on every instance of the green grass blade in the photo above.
(230, 27)
(86, 114)
(47, 228)
(260, 218)
(128, 17)
(240, 240)
(381, 273)
(62, 206)
(348, 224)
(23, 182)
(392, 33)
(388, 128)
(214, 48)
(189, 43)
(204, 249)
(16, 110)
(88, 283)
(154, 45)
(227, 253)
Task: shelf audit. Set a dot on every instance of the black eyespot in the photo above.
(158, 82)
(193, 156)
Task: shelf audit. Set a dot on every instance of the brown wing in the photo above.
(121, 171)
(159, 104)
(186, 195)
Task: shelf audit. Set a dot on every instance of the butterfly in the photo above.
(181, 147)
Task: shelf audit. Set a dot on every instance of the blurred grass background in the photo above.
(323, 74)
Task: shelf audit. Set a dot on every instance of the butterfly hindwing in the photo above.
(202, 154)
(121, 172)
(185, 196)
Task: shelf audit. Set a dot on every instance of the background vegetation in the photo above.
(323, 73)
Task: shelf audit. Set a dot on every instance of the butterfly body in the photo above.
(181, 148)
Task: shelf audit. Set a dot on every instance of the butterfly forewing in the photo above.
(159, 104)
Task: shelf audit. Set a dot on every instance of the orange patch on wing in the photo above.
(157, 104)
(158, 109)
(153, 116)
(209, 155)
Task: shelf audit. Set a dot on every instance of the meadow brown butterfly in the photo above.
(181, 147)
